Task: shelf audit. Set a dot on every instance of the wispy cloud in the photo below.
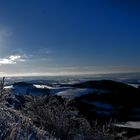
(12, 59)
(38, 53)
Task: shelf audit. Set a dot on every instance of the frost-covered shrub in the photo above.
(47, 118)
(58, 117)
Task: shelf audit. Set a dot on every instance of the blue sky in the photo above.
(69, 36)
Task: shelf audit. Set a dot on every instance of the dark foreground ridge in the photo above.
(112, 99)
(69, 111)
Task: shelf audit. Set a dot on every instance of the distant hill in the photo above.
(98, 98)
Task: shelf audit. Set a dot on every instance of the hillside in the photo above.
(68, 112)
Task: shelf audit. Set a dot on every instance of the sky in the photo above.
(58, 37)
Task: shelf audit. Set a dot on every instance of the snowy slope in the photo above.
(75, 92)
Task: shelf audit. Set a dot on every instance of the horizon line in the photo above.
(64, 74)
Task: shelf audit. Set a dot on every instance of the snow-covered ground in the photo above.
(130, 124)
(53, 90)
(134, 85)
(66, 92)
(42, 86)
(75, 92)
(8, 87)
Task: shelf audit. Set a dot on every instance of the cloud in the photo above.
(12, 59)
(38, 53)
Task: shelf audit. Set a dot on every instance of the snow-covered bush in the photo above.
(62, 120)
(46, 118)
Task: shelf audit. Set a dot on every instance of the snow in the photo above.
(66, 92)
(53, 90)
(42, 86)
(8, 87)
(130, 124)
(23, 90)
(59, 89)
(134, 85)
(75, 92)
(100, 104)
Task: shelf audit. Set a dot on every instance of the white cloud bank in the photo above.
(12, 59)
